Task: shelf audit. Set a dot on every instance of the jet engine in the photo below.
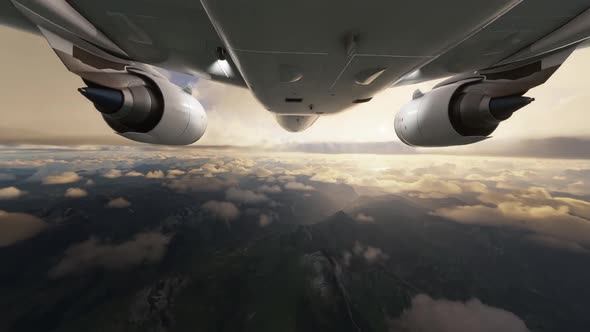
(455, 114)
(157, 112)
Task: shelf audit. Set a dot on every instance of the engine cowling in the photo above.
(453, 115)
(157, 112)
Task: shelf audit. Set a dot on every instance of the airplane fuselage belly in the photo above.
(321, 57)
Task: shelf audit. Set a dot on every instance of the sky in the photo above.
(40, 101)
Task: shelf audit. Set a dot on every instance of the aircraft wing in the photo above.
(531, 29)
(175, 35)
(308, 58)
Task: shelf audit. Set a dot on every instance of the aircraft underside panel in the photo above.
(336, 45)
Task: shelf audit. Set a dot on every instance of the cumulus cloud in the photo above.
(363, 218)
(373, 254)
(244, 196)
(427, 314)
(16, 227)
(75, 193)
(222, 210)
(173, 173)
(298, 186)
(209, 170)
(262, 172)
(286, 178)
(273, 189)
(133, 174)
(144, 248)
(155, 174)
(265, 220)
(369, 253)
(113, 174)
(118, 203)
(533, 209)
(63, 178)
(11, 193)
(196, 183)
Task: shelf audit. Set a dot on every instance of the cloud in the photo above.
(265, 220)
(173, 173)
(262, 172)
(369, 253)
(144, 248)
(373, 255)
(298, 186)
(579, 187)
(90, 182)
(273, 189)
(76, 193)
(286, 178)
(133, 174)
(155, 174)
(209, 170)
(198, 183)
(222, 210)
(118, 203)
(556, 147)
(11, 193)
(16, 227)
(63, 178)
(533, 209)
(429, 186)
(245, 196)
(431, 315)
(113, 174)
(578, 207)
(363, 218)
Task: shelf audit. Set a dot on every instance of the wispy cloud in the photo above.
(427, 314)
(223, 210)
(144, 248)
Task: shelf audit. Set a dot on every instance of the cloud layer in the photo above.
(550, 199)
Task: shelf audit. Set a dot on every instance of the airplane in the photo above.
(307, 58)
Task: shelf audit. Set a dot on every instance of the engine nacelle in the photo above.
(453, 115)
(158, 112)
